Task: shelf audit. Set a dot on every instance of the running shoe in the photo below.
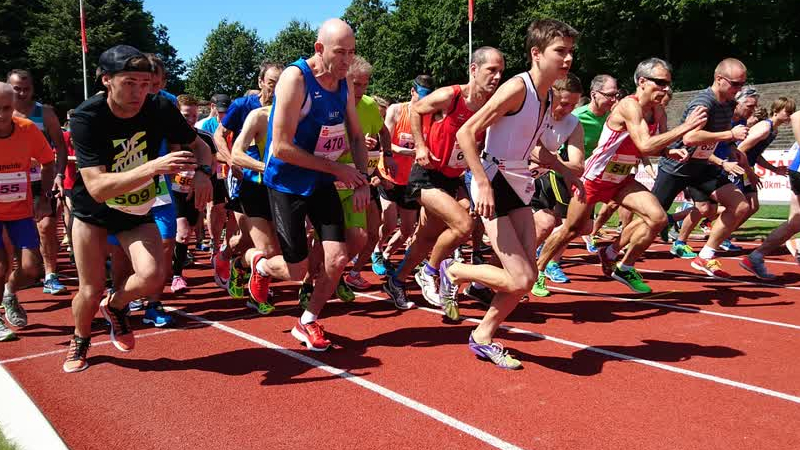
(495, 353)
(540, 288)
(729, 246)
(15, 313)
(356, 281)
(397, 292)
(202, 247)
(606, 263)
(76, 357)
(448, 291)
(378, 264)
(258, 285)
(236, 279)
(136, 305)
(710, 267)
(554, 273)
(179, 284)
(221, 269)
(756, 267)
(539, 250)
(156, 315)
(632, 279)
(344, 292)
(705, 226)
(312, 335)
(121, 333)
(5, 333)
(791, 245)
(591, 244)
(53, 286)
(458, 254)
(304, 295)
(683, 251)
(429, 287)
(483, 295)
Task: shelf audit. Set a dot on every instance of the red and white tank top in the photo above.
(442, 137)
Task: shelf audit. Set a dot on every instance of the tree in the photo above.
(16, 14)
(295, 41)
(228, 63)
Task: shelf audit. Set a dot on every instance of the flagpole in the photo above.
(471, 7)
(84, 49)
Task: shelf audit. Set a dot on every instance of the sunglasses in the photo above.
(736, 84)
(660, 82)
(608, 94)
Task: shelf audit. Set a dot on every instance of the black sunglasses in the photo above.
(660, 82)
(736, 84)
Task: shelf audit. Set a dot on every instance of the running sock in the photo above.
(47, 276)
(431, 270)
(7, 292)
(261, 267)
(678, 243)
(179, 258)
(308, 317)
(756, 255)
(707, 252)
(354, 273)
(611, 253)
(623, 267)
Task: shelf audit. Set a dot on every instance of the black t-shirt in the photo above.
(102, 139)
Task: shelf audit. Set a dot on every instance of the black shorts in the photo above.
(220, 191)
(255, 200)
(289, 211)
(36, 189)
(794, 182)
(505, 199)
(551, 193)
(700, 187)
(397, 195)
(421, 178)
(184, 207)
(375, 196)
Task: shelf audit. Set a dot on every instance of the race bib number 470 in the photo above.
(331, 142)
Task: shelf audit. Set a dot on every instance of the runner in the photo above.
(502, 182)
(46, 120)
(313, 105)
(117, 137)
(219, 108)
(20, 142)
(636, 128)
(706, 179)
(434, 179)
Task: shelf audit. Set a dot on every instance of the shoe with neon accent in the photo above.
(53, 286)
(591, 244)
(312, 335)
(448, 291)
(495, 353)
(482, 295)
(729, 246)
(396, 290)
(607, 264)
(121, 333)
(304, 295)
(540, 288)
(179, 284)
(683, 251)
(76, 357)
(236, 280)
(5, 333)
(156, 316)
(15, 313)
(343, 291)
(378, 264)
(632, 279)
(554, 273)
(221, 269)
(756, 267)
(710, 267)
(356, 282)
(258, 285)
(429, 287)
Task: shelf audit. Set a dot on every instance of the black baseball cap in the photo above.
(222, 101)
(118, 58)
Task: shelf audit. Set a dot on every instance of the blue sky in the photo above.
(190, 21)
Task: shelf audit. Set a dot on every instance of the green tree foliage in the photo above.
(295, 41)
(228, 63)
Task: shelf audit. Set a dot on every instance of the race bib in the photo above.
(372, 161)
(537, 171)
(342, 186)
(220, 171)
(36, 171)
(162, 192)
(457, 160)
(13, 187)
(331, 142)
(704, 151)
(518, 176)
(405, 140)
(182, 182)
(619, 168)
(137, 202)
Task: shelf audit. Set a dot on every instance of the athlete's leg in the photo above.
(89, 244)
(641, 201)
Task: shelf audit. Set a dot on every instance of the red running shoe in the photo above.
(312, 335)
(258, 284)
(121, 332)
(711, 267)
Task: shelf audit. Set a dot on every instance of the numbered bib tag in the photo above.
(342, 186)
(405, 140)
(619, 168)
(331, 142)
(13, 187)
(137, 202)
(162, 192)
(537, 171)
(704, 151)
(36, 171)
(519, 177)
(220, 171)
(182, 182)
(457, 160)
(372, 160)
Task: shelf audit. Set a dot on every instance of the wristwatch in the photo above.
(206, 169)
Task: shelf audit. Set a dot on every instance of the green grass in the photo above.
(5, 444)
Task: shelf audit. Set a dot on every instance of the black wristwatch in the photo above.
(206, 169)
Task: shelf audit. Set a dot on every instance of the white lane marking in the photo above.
(21, 421)
(621, 356)
(376, 388)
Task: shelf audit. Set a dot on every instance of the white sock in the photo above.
(8, 292)
(261, 268)
(307, 317)
(48, 275)
(707, 252)
(624, 268)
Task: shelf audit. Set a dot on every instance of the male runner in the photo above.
(117, 137)
(219, 108)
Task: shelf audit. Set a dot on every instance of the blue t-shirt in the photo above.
(234, 121)
(168, 96)
(210, 125)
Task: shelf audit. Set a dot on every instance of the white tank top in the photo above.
(556, 133)
(513, 136)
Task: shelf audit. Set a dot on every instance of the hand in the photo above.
(202, 191)
(754, 179)
(390, 165)
(174, 162)
(361, 198)
(782, 170)
(374, 181)
(237, 173)
(370, 142)
(348, 175)
(424, 158)
(484, 200)
(577, 185)
(697, 118)
(732, 168)
(58, 185)
(41, 208)
(739, 132)
(680, 154)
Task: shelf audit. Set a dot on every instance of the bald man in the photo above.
(314, 105)
(701, 172)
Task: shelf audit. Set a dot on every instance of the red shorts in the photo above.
(598, 191)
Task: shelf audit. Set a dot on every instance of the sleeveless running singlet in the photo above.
(321, 131)
(401, 137)
(758, 149)
(37, 117)
(442, 137)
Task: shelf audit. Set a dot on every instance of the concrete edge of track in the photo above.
(21, 420)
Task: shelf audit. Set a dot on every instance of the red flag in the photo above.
(471, 9)
(84, 45)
